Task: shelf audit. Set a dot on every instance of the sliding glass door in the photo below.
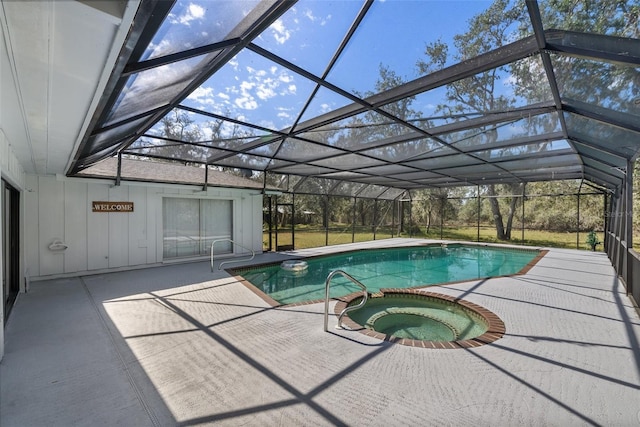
(191, 225)
(10, 246)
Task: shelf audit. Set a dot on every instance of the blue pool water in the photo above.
(387, 268)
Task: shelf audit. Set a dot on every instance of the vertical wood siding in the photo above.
(59, 208)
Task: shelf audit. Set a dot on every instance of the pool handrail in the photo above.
(347, 309)
(253, 253)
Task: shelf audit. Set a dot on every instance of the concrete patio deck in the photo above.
(179, 345)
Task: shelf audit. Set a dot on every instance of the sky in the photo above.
(253, 89)
(392, 36)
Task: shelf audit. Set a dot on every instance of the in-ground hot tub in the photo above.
(422, 319)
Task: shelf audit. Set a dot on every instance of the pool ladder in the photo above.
(327, 284)
(253, 253)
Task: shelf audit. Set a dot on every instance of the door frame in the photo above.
(10, 247)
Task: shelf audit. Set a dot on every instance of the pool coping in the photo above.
(274, 303)
(495, 326)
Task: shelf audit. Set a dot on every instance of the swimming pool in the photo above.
(407, 267)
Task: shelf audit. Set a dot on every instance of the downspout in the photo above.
(119, 171)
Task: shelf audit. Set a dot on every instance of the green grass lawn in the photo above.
(531, 237)
(311, 237)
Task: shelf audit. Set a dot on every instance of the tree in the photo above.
(432, 206)
(604, 84)
(178, 126)
(190, 141)
(597, 82)
(378, 127)
(480, 93)
(600, 83)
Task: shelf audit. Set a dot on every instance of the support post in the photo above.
(353, 220)
(606, 223)
(276, 201)
(616, 229)
(628, 217)
(478, 212)
(270, 223)
(326, 220)
(375, 217)
(293, 221)
(578, 217)
(393, 217)
(578, 223)
(441, 215)
(410, 218)
(524, 197)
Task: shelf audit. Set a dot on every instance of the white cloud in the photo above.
(246, 86)
(160, 48)
(268, 124)
(157, 77)
(285, 78)
(202, 95)
(255, 87)
(258, 73)
(265, 89)
(192, 13)
(280, 32)
(246, 103)
(285, 114)
(234, 63)
(311, 17)
(309, 14)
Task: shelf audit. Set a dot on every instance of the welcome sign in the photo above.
(99, 206)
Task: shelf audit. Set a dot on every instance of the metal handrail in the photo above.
(347, 309)
(253, 254)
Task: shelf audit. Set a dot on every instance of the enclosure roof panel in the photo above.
(377, 97)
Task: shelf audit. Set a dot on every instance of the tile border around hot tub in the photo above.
(495, 326)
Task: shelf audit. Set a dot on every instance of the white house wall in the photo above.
(59, 208)
(11, 169)
(12, 131)
(12, 172)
